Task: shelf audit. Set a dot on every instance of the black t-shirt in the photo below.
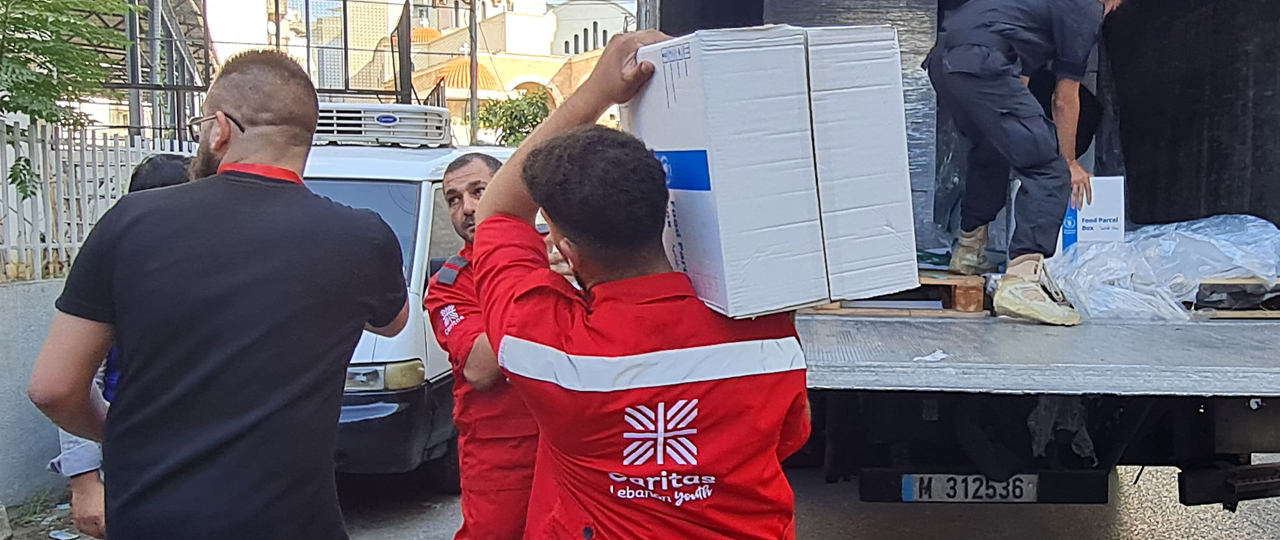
(237, 301)
(1055, 33)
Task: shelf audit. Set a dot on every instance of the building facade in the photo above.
(585, 25)
(349, 46)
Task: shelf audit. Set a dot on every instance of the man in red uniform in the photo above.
(659, 418)
(497, 437)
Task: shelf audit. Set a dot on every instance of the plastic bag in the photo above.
(1159, 267)
(1113, 281)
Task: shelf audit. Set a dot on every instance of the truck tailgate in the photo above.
(1211, 358)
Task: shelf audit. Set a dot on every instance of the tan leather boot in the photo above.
(970, 255)
(1022, 294)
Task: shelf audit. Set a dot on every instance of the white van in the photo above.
(397, 410)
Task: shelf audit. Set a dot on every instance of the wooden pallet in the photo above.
(1240, 314)
(962, 297)
(1239, 281)
(837, 309)
(1249, 283)
(960, 293)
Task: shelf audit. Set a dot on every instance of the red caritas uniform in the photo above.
(659, 418)
(497, 436)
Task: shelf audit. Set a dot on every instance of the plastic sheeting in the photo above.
(1061, 413)
(1159, 267)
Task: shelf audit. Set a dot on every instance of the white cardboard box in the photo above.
(1101, 221)
(864, 178)
(727, 112)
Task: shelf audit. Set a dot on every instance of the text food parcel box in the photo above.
(1103, 220)
(860, 142)
(727, 113)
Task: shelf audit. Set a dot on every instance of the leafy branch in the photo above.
(516, 118)
(23, 178)
(22, 174)
(49, 56)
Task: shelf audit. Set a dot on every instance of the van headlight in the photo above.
(379, 377)
(365, 379)
(401, 375)
(387, 376)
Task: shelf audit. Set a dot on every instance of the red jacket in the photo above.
(497, 437)
(659, 418)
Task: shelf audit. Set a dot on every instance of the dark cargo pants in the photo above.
(1008, 128)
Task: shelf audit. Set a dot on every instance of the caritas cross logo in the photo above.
(661, 434)
(450, 318)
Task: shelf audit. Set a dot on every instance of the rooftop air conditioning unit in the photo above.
(380, 124)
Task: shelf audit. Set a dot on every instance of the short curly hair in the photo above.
(602, 187)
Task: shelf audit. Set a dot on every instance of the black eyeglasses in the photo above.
(193, 127)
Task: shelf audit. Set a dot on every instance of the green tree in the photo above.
(515, 118)
(47, 55)
(48, 59)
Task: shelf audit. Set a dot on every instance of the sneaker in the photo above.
(1022, 294)
(969, 258)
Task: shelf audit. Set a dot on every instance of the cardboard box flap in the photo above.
(852, 35)
(774, 35)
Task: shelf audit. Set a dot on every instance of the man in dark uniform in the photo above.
(979, 69)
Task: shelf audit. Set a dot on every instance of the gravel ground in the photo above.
(404, 508)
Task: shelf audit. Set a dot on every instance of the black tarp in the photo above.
(681, 17)
(1197, 93)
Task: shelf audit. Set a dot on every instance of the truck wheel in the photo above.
(446, 473)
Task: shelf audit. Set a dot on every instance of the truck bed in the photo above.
(990, 355)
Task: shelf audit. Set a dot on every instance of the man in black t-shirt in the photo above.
(236, 301)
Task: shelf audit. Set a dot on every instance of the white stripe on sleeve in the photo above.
(662, 368)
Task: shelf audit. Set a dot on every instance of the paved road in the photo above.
(405, 509)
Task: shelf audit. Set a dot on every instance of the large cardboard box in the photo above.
(727, 112)
(864, 178)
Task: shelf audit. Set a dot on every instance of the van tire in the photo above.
(446, 472)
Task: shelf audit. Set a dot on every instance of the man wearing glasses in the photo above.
(206, 163)
(236, 303)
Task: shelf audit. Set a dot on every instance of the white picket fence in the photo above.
(80, 174)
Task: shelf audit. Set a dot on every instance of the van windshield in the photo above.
(396, 202)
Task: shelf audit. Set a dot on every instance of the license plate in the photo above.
(1021, 488)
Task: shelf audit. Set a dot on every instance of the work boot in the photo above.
(969, 258)
(1022, 294)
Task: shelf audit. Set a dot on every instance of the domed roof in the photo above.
(457, 74)
(423, 35)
